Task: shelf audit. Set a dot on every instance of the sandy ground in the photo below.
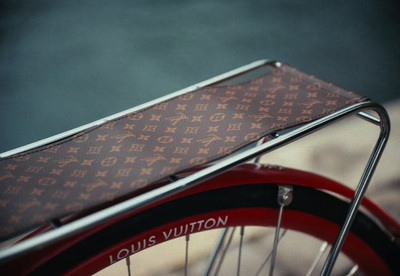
(339, 152)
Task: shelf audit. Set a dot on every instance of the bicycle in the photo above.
(180, 165)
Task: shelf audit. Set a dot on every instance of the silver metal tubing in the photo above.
(217, 79)
(180, 185)
(369, 118)
(361, 189)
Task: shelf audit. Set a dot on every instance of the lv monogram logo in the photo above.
(96, 184)
(260, 117)
(211, 138)
(176, 119)
(63, 162)
(151, 160)
(6, 175)
(227, 98)
(309, 104)
(131, 152)
(124, 136)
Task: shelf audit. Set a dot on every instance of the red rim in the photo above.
(246, 173)
(354, 247)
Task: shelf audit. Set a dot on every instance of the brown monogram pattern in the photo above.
(125, 155)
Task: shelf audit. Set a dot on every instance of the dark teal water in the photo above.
(67, 63)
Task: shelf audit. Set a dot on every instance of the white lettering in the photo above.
(125, 251)
(180, 233)
(173, 232)
(133, 248)
(167, 236)
(192, 224)
(207, 225)
(222, 221)
(200, 222)
(152, 240)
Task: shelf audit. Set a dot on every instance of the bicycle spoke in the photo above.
(221, 260)
(240, 249)
(275, 248)
(128, 265)
(321, 251)
(285, 196)
(187, 254)
(217, 248)
(352, 271)
(269, 255)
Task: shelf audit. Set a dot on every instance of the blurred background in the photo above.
(67, 63)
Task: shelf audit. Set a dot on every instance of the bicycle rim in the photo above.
(312, 212)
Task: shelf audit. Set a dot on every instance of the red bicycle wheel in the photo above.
(313, 212)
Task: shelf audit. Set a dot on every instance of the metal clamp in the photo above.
(285, 195)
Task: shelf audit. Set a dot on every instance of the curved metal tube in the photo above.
(361, 188)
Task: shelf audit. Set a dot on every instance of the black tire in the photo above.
(306, 200)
